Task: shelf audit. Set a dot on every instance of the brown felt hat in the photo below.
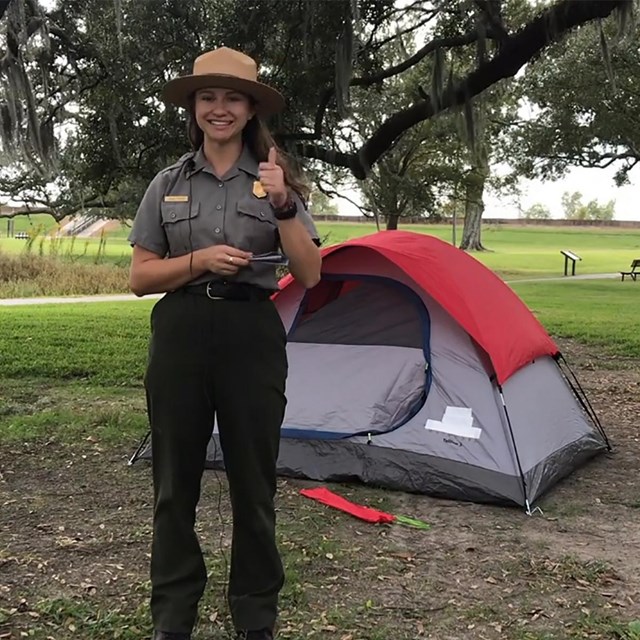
(227, 69)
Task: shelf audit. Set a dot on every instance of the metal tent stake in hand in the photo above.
(272, 257)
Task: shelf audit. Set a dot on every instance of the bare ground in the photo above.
(75, 530)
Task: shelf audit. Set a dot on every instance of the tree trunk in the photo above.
(392, 222)
(474, 206)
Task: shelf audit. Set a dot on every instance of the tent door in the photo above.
(359, 359)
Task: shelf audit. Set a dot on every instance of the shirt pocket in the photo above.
(180, 222)
(258, 231)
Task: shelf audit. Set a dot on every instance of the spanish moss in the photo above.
(606, 56)
(23, 134)
(627, 16)
(344, 68)
(437, 79)
(117, 7)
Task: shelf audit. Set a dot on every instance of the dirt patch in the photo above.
(75, 533)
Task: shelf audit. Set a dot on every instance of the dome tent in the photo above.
(414, 367)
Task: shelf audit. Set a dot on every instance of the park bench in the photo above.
(634, 271)
(569, 255)
(21, 235)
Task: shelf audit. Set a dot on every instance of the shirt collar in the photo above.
(246, 162)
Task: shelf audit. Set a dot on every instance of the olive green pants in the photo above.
(225, 359)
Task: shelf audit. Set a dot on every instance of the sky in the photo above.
(594, 184)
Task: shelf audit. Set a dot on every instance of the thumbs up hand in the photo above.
(272, 178)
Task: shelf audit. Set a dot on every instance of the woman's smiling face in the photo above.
(222, 114)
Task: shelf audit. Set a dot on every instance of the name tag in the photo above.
(176, 198)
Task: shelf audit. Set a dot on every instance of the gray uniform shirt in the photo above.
(187, 207)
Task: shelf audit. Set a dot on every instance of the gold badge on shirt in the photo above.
(177, 198)
(258, 190)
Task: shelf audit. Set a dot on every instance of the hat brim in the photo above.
(178, 91)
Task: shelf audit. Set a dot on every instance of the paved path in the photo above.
(584, 276)
(10, 302)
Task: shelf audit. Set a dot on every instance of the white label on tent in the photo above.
(457, 421)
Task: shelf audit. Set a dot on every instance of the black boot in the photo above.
(168, 635)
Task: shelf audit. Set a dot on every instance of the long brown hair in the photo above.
(259, 139)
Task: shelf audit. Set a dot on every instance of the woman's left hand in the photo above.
(272, 179)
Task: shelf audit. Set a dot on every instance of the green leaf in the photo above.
(412, 522)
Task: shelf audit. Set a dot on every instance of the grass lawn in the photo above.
(43, 223)
(513, 251)
(523, 252)
(100, 343)
(105, 343)
(603, 313)
(37, 222)
(112, 249)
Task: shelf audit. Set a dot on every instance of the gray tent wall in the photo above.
(554, 436)
(532, 432)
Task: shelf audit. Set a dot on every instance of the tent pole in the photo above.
(134, 457)
(584, 400)
(527, 504)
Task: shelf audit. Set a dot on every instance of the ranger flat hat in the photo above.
(227, 69)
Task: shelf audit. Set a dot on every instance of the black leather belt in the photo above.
(221, 290)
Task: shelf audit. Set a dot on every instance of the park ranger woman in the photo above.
(217, 347)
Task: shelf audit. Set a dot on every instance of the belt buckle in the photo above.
(209, 293)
